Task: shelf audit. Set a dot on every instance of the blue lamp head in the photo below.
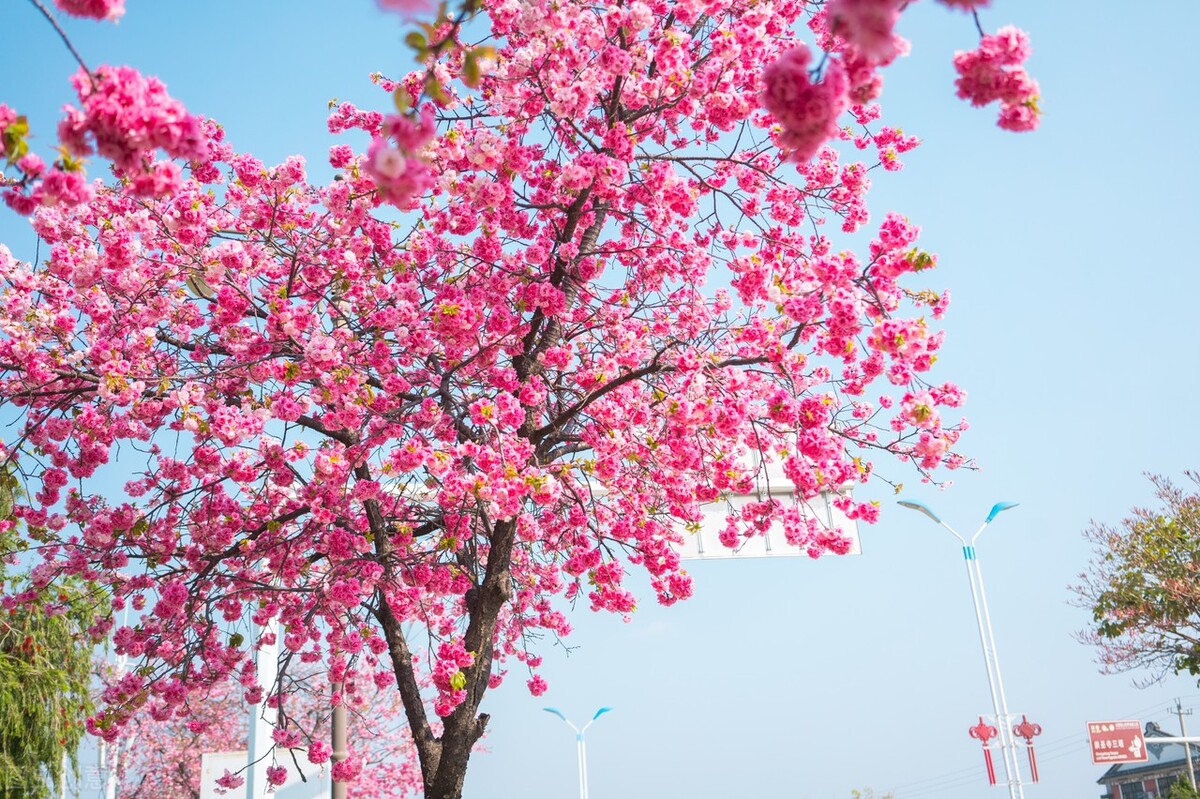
(556, 712)
(997, 509)
(908, 503)
(601, 712)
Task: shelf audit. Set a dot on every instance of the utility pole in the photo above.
(1187, 747)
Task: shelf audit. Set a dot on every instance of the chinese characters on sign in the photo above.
(1116, 742)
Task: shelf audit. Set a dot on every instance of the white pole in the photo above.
(1013, 772)
(111, 764)
(580, 744)
(987, 641)
(582, 765)
(979, 604)
(338, 738)
(262, 717)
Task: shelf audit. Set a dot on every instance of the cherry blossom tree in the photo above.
(162, 758)
(581, 282)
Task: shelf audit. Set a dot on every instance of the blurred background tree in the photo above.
(45, 670)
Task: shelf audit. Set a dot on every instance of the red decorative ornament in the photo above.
(984, 732)
(1027, 730)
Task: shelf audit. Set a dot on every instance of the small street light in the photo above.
(580, 744)
(1008, 746)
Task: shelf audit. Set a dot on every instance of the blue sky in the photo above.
(1070, 257)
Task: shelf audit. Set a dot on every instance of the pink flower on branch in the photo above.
(867, 26)
(965, 5)
(394, 161)
(126, 116)
(110, 10)
(406, 8)
(993, 72)
(807, 112)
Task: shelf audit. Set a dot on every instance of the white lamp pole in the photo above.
(262, 716)
(580, 744)
(991, 661)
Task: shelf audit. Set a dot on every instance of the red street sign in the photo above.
(1117, 742)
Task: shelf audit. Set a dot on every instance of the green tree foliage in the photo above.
(45, 672)
(1143, 585)
(1182, 790)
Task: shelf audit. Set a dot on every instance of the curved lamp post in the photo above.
(580, 744)
(987, 640)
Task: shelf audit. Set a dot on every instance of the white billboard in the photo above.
(214, 764)
(704, 544)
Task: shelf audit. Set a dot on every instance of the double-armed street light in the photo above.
(580, 744)
(987, 640)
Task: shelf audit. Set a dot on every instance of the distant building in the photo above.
(1154, 778)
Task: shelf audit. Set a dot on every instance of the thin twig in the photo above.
(62, 34)
(978, 24)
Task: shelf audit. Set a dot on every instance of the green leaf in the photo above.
(433, 88)
(417, 41)
(15, 145)
(470, 70)
(402, 99)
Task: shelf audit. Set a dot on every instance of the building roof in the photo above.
(1161, 757)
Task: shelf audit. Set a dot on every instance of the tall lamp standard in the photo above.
(987, 640)
(580, 744)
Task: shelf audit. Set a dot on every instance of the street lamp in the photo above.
(580, 744)
(987, 640)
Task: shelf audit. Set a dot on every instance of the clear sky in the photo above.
(1071, 259)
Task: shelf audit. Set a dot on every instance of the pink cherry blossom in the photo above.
(156, 757)
(965, 5)
(993, 72)
(867, 26)
(125, 116)
(394, 160)
(806, 112)
(406, 8)
(110, 10)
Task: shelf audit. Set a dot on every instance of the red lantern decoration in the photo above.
(1027, 730)
(985, 732)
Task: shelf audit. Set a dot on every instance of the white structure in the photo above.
(262, 717)
(704, 544)
(214, 764)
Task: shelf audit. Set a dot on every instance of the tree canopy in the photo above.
(574, 286)
(45, 671)
(1142, 584)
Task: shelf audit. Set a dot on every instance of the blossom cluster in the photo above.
(859, 38)
(126, 116)
(110, 10)
(806, 111)
(993, 72)
(394, 157)
(868, 27)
